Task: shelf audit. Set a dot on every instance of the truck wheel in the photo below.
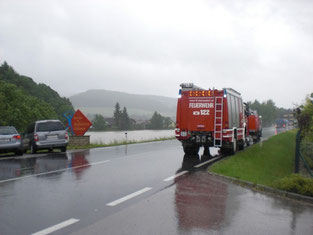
(191, 149)
(248, 141)
(233, 150)
(206, 152)
(224, 151)
(241, 144)
(256, 140)
(63, 149)
(196, 149)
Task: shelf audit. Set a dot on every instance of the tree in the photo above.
(305, 119)
(19, 109)
(98, 123)
(117, 115)
(156, 122)
(267, 110)
(124, 120)
(40, 91)
(167, 122)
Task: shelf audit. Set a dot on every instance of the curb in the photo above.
(263, 188)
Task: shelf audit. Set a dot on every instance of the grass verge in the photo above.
(117, 143)
(270, 163)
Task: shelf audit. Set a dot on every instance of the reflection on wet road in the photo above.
(51, 163)
(136, 189)
(205, 205)
(200, 203)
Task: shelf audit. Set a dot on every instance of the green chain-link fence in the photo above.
(304, 153)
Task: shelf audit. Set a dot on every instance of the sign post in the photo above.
(79, 125)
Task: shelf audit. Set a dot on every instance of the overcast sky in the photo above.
(263, 49)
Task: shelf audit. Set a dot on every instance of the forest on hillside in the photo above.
(269, 111)
(24, 101)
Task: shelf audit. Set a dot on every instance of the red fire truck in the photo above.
(254, 125)
(210, 118)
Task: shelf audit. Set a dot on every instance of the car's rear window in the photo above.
(49, 126)
(7, 130)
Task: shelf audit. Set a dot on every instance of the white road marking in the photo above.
(204, 163)
(175, 176)
(130, 196)
(51, 172)
(57, 227)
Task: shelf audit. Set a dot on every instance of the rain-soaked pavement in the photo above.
(202, 204)
(133, 190)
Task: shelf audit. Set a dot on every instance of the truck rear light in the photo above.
(66, 136)
(36, 138)
(17, 137)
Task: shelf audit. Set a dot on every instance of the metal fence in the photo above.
(304, 153)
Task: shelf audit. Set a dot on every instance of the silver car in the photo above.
(10, 140)
(46, 134)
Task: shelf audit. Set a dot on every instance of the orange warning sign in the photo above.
(80, 123)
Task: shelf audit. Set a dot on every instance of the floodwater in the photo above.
(107, 137)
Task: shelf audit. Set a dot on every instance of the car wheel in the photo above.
(19, 152)
(33, 148)
(63, 149)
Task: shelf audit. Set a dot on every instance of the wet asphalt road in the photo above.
(128, 190)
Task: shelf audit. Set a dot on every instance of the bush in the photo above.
(295, 184)
(305, 120)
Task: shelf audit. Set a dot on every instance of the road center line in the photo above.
(204, 163)
(175, 176)
(51, 172)
(57, 227)
(130, 196)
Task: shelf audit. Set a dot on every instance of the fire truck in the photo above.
(254, 125)
(210, 118)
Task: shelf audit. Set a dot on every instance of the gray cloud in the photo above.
(263, 49)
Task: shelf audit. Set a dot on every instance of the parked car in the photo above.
(281, 123)
(46, 134)
(10, 140)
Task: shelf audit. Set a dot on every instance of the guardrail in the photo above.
(299, 155)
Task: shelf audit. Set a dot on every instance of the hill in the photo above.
(138, 106)
(30, 94)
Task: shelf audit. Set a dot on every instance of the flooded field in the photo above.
(119, 136)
